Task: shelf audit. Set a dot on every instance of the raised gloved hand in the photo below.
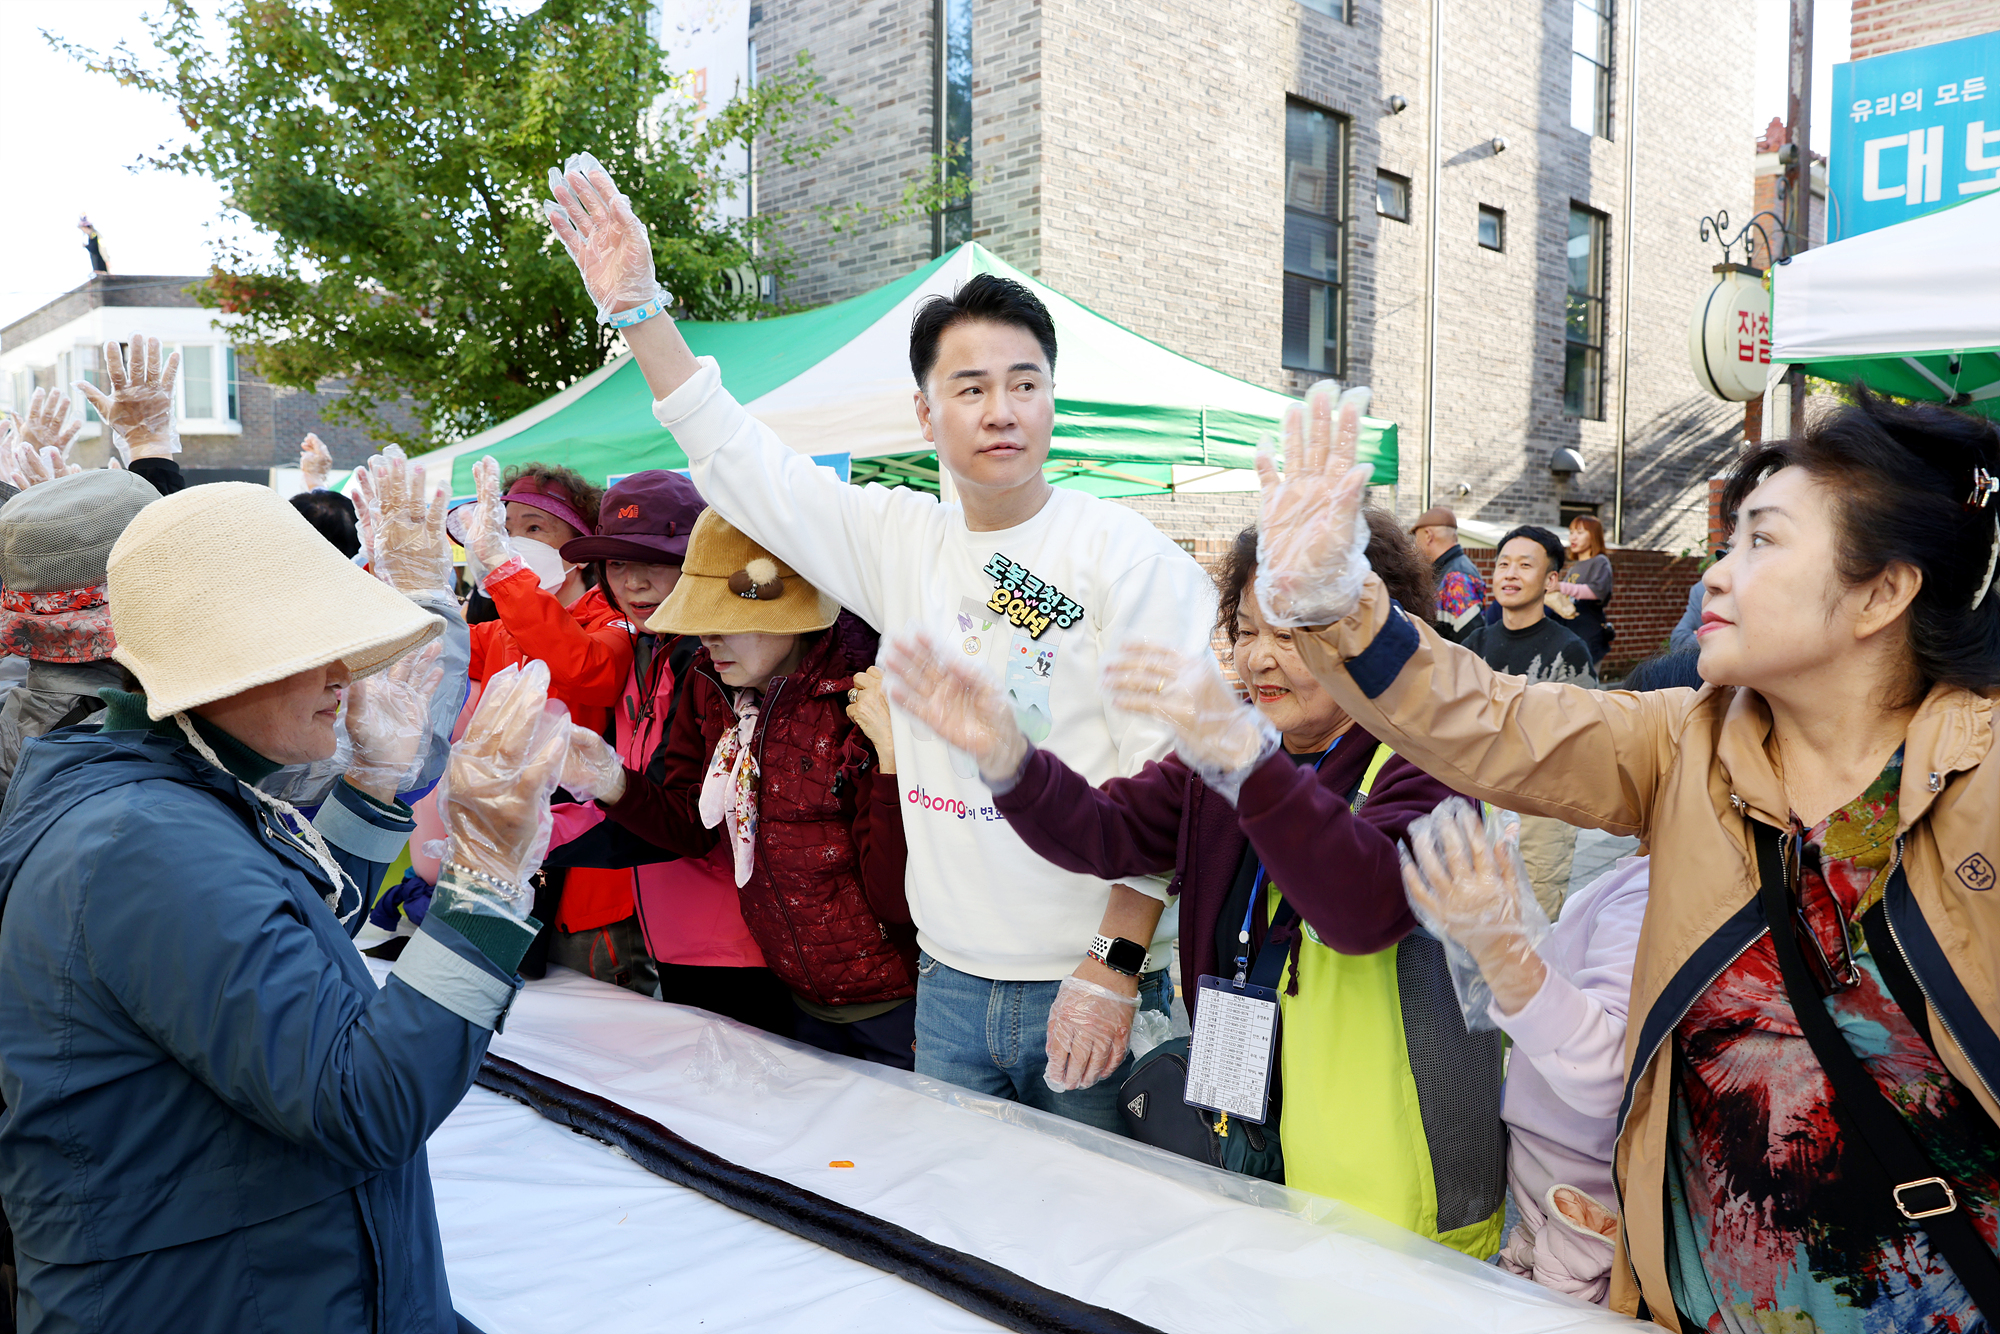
(486, 526)
(406, 541)
(1311, 538)
(595, 222)
(592, 769)
(22, 465)
(495, 794)
(388, 722)
(1469, 888)
(140, 406)
(315, 461)
(1221, 737)
(1090, 1029)
(51, 422)
(960, 703)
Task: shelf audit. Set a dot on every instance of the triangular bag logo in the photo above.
(1137, 1106)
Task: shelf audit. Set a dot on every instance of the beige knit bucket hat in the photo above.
(731, 586)
(223, 587)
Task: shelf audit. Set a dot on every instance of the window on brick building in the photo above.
(1392, 195)
(1492, 227)
(954, 122)
(1590, 67)
(1583, 316)
(1338, 9)
(1315, 236)
(208, 390)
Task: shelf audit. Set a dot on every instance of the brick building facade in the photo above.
(1878, 27)
(1135, 157)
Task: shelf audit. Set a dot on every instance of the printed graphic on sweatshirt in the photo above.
(1027, 602)
(975, 622)
(1030, 668)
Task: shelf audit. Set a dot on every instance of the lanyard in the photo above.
(1256, 880)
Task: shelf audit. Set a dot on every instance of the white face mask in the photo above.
(547, 563)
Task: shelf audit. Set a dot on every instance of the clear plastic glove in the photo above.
(495, 794)
(1221, 737)
(868, 709)
(1311, 538)
(1466, 884)
(315, 461)
(140, 406)
(388, 722)
(486, 527)
(1090, 1030)
(960, 703)
(51, 422)
(406, 540)
(595, 222)
(592, 770)
(22, 465)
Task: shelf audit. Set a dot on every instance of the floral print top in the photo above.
(1770, 1232)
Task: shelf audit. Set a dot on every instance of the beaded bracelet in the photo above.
(508, 889)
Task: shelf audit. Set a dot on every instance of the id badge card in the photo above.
(1235, 1042)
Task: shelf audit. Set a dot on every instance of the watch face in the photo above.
(1126, 957)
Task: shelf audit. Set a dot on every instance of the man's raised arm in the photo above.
(825, 529)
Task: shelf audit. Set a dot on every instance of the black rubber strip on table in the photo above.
(984, 1288)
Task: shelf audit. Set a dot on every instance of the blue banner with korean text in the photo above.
(1913, 132)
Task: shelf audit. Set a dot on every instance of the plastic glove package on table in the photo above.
(545, 1230)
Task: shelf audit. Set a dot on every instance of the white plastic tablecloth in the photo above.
(546, 1230)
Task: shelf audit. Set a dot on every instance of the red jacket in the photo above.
(587, 670)
(825, 897)
(588, 648)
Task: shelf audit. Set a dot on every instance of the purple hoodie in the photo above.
(1338, 869)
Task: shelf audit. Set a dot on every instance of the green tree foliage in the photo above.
(394, 154)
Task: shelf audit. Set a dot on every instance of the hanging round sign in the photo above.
(1729, 339)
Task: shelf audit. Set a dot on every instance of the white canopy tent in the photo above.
(1911, 310)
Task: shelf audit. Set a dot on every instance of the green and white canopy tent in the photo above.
(1132, 417)
(1911, 310)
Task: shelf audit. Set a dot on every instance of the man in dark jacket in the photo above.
(214, 1118)
(1461, 593)
(1527, 641)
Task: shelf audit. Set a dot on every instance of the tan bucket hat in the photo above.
(731, 586)
(223, 587)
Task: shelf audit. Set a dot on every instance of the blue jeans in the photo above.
(992, 1037)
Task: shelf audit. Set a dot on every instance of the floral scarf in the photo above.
(729, 788)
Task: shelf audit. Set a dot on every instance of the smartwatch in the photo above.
(1119, 955)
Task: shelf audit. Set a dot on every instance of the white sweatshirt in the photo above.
(1087, 574)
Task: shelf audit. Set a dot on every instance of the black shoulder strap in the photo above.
(1890, 1157)
(1895, 969)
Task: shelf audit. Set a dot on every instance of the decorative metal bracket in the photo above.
(1716, 227)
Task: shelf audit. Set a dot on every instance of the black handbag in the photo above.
(1893, 1166)
(1153, 1099)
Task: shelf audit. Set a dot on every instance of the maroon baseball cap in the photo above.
(646, 517)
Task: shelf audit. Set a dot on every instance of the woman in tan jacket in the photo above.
(1836, 777)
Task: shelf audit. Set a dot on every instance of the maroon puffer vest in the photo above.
(804, 901)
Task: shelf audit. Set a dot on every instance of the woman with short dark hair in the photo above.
(1289, 872)
(1807, 1133)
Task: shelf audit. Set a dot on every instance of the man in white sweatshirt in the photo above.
(1029, 975)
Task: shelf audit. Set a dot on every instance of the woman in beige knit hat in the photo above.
(776, 769)
(216, 1118)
